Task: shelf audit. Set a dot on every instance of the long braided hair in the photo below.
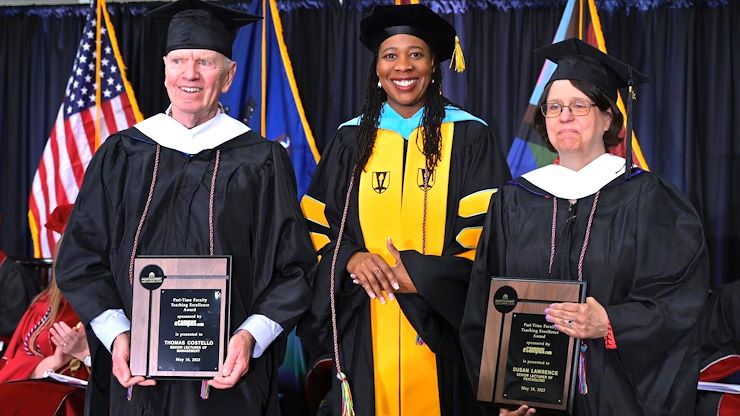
(431, 120)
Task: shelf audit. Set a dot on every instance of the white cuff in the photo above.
(109, 324)
(264, 330)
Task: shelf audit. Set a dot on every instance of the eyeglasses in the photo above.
(578, 108)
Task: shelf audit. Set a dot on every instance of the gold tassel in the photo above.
(457, 57)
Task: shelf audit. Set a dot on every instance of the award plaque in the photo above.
(179, 322)
(525, 360)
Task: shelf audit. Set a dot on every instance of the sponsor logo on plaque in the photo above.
(505, 299)
(151, 277)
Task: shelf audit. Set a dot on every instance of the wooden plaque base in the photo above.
(180, 319)
(525, 360)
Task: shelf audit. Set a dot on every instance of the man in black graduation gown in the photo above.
(192, 181)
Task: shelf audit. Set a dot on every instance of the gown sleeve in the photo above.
(323, 207)
(653, 327)
(491, 248)
(285, 260)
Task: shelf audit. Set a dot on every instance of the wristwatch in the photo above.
(87, 361)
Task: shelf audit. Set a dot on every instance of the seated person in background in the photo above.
(19, 287)
(719, 329)
(49, 336)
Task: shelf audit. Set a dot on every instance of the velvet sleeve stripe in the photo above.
(470, 255)
(319, 240)
(475, 203)
(313, 210)
(468, 237)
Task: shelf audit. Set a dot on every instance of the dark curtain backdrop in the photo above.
(687, 120)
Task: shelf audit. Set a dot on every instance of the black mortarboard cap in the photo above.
(411, 19)
(198, 24)
(579, 60)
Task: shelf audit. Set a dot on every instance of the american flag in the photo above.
(98, 101)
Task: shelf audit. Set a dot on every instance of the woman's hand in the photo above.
(51, 363)
(406, 285)
(521, 411)
(375, 275)
(71, 341)
(579, 320)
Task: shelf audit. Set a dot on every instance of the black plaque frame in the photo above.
(529, 297)
(193, 274)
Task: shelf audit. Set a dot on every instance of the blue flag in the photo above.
(264, 94)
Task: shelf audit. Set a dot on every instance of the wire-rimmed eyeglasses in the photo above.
(578, 108)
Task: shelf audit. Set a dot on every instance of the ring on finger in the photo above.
(570, 323)
(376, 271)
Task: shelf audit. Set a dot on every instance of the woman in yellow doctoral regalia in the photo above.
(395, 209)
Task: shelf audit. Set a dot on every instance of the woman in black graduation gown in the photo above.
(630, 235)
(193, 181)
(420, 173)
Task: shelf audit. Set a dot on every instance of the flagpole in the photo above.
(98, 81)
(580, 20)
(119, 59)
(263, 101)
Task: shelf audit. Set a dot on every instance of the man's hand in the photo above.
(236, 365)
(120, 357)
